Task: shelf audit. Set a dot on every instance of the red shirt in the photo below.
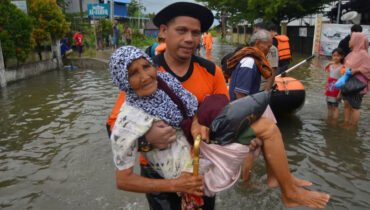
(78, 38)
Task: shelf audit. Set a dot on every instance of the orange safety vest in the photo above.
(283, 47)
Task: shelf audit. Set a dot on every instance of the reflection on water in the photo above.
(54, 150)
(55, 154)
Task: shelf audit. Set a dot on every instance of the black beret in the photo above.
(203, 14)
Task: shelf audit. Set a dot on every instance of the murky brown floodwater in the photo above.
(55, 154)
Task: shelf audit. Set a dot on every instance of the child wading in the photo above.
(333, 95)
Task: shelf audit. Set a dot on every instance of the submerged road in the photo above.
(55, 153)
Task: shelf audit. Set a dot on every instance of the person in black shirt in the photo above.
(344, 43)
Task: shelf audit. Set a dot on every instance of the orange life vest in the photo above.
(283, 47)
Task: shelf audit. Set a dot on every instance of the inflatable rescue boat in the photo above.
(289, 96)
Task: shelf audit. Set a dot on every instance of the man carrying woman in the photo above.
(181, 25)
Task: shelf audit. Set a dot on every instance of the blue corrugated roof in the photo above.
(122, 1)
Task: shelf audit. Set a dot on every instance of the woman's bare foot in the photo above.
(351, 127)
(302, 197)
(343, 124)
(272, 182)
(252, 185)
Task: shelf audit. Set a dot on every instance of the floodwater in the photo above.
(55, 153)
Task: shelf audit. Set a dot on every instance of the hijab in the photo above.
(359, 58)
(159, 104)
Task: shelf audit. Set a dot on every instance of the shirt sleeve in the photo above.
(220, 86)
(273, 57)
(131, 123)
(247, 72)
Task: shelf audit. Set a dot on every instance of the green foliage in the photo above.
(134, 8)
(142, 41)
(269, 10)
(89, 36)
(48, 19)
(224, 41)
(106, 25)
(15, 32)
(214, 32)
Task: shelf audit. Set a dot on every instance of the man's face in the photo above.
(264, 46)
(182, 35)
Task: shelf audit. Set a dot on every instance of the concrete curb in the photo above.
(29, 70)
(87, 63)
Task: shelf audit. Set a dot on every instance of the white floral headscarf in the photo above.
(159, 104)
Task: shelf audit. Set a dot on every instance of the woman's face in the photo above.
(142, 77)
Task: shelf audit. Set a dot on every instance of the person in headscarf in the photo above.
(64, 48)
(358, 60)
(151, 96)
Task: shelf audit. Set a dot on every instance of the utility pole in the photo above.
(111, 10)
(338, 14)
(223, 34)
(2, 69)
(139, 15)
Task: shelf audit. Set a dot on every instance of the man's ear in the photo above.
(258, 42)
(163, 30)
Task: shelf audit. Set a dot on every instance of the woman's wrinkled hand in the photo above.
(187, 183)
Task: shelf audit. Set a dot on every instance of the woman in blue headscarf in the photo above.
(64, 48)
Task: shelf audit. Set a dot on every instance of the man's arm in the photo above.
(239, 95)
(270, 80)
(160, 135)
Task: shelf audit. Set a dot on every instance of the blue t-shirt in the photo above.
(116, 32)
(245, 79)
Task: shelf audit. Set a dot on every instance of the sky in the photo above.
(156, 5)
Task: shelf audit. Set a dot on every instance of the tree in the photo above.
(134, 8)
(270, 10)
(15, 32)
(49, 21)
(106, 26)
(221, 7)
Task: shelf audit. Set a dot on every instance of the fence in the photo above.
(301, 38)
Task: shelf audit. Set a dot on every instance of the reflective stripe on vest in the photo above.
(283, 47)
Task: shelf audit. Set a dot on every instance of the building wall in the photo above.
(74, 5)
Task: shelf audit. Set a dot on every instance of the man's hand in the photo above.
(160, 135)
(198, 129)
